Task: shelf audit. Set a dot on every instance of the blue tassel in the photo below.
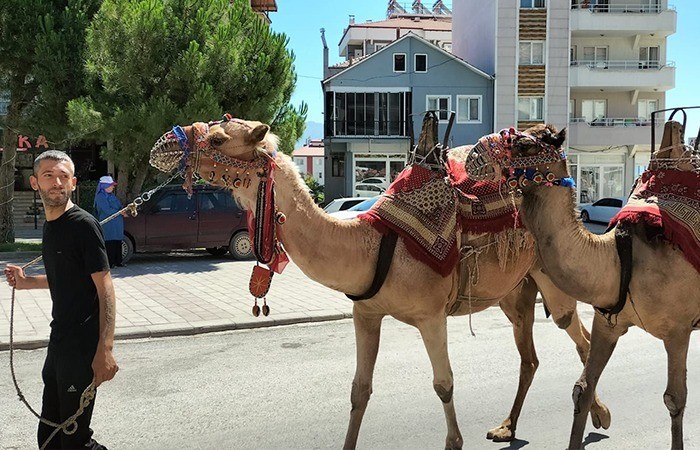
(568, 182)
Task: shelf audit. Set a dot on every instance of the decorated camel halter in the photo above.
(234, 173)
(496, 150)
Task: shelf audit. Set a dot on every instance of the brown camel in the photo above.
(663, 294)
(341, 255)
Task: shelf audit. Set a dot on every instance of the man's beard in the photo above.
(54, 201)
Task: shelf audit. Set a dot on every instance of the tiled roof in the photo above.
(264, 5)
(348, 63)
(313, 148)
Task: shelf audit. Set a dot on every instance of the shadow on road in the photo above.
(516, 444)
(592, 438)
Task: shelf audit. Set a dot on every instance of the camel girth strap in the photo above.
(623, 243)
(386, 255)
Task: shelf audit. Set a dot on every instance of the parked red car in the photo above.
(169, 220)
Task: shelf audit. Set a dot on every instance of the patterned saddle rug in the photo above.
(428, 208)
(670, 201)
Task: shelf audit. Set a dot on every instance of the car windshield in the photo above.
(364, 206)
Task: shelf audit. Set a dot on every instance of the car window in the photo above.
(216, 200)
(175, 202)
(617, 203)
(348, 204)
(365, 205)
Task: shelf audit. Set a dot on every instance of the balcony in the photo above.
(623, 75)
(608, 131)
(627, 19)
(368, 128)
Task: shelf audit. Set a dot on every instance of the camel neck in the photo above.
(582, 264)
(337, 254)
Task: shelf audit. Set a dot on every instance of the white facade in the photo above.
(605, 71)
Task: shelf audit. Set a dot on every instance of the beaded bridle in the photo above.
(492, 158)
(185, 147)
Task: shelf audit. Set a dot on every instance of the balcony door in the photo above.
(593, 110)
(646, 107)
(648, 57)
(596, 56)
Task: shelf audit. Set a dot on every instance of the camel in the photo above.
(342, 255)
(663, 287)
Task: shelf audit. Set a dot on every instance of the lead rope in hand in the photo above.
(70, 425)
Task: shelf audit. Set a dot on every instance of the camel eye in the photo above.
(217, 141)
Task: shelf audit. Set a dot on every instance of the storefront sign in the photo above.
(24, 143)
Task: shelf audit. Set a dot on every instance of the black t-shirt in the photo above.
(73, 249)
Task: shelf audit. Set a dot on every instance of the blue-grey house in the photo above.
(369, 101)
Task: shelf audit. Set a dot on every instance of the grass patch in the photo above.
(20, 247)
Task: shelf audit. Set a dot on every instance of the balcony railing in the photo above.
(627, 8)
(622, 65)
(616, 121)
(369, 128)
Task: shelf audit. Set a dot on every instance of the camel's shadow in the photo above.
(592, 438)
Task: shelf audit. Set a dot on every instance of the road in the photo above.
(288, 387)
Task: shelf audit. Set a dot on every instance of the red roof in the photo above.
(313, 148)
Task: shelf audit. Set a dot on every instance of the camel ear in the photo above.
(560, 138)
(258, 133)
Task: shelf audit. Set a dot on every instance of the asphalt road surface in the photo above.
(289, 387)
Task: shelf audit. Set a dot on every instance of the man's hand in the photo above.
(104, 367)
(15, 277)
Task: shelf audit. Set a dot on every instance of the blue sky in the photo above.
(301, 21)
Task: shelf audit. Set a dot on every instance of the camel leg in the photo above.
(519, 307)
(367, 331)
(565, 315)
(676, 389)
(434, 333)
(603, 341)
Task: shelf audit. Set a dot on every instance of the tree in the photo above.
(155, 63)
(41, 43)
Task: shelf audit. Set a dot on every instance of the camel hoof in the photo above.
(500, 434)
(600, 416)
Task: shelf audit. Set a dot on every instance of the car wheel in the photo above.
(217, 251)
(127, 249)
(240, 245)
(585, 217)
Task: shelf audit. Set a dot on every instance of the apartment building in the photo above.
(598, 67)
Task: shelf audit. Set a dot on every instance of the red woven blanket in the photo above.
(420, 206)
(670, 200)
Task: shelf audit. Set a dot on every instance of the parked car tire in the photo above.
(217, 251)
(585, 217)
(240, 246)
(127, 249)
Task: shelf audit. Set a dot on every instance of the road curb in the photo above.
(156, 331)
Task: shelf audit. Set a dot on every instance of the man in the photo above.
(77, 274)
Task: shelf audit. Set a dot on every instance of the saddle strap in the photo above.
(623, 242)
(386, 255)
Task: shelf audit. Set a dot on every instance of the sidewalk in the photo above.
(178, 294)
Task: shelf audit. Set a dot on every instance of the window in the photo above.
(532, 3)
(530, 108)
(596, 56)
(175, 202)
(646, 107)
(468, 109)
(648, 57)
(379, 45)
(572, 109)
(572, 55)
(591, 110)
(399, 62)
(338, 164)
(216, 200)
(367, 113)
(420, 63)
(531, 53)
(441, 104)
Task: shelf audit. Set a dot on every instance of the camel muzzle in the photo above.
(168, 153)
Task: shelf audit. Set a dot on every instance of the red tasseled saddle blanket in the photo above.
(428, 209)
(670, 200)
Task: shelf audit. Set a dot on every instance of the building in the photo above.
(374, 104)
(263, 8)
(310, 160)
(598, 67)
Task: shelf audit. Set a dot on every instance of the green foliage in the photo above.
(20, 247)
(154, 63)
(315, 189)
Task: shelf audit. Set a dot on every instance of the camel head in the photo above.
(230, 153)
(520, 159)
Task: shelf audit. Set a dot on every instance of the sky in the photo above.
(301, 21)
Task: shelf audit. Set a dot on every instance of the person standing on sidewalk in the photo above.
(83, 313)
(106, 204)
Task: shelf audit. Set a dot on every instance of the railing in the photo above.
(616, 121)
(627, 8)
(622, 65)
(370, 128)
